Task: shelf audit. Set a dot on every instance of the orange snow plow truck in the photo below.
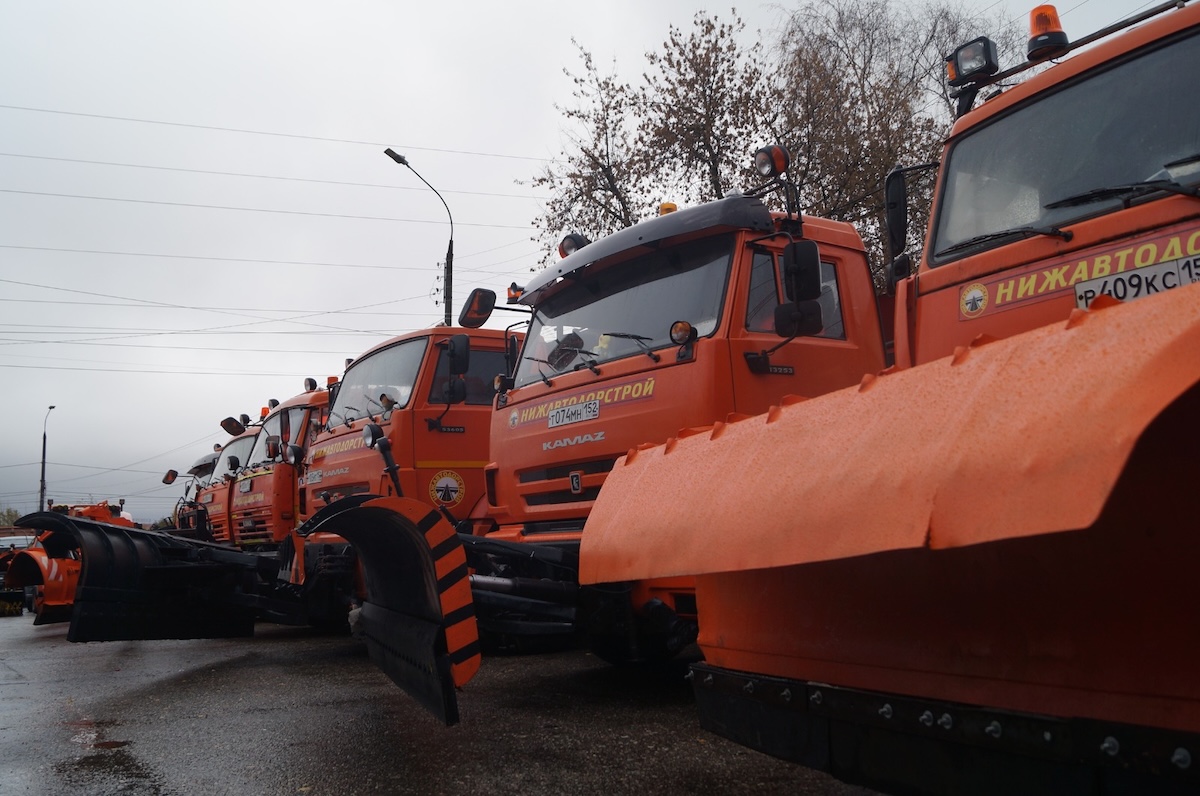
(406, 427)
(48, 569)
(975, 571)
(670, 322)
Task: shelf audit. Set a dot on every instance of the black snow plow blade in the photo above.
(418, 618)
(136, 584)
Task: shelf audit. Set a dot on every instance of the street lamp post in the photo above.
(403, 161)
(42, 489)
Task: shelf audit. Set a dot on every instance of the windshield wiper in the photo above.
(1126, 192)
(589, 360)
(639, 339)
(350, 420)
(382, 408)
(542, 373)
(1006, 233)
(1183, 161)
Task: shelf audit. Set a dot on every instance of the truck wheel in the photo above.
(652, 635)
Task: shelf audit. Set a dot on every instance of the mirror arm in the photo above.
(761, 362)
(435, 424)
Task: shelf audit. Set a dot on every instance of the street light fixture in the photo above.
(42, 489)
(403, 161)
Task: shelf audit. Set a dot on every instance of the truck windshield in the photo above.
(379, 383)
(1074, 153)
(240, 448)
(272, 427)
(606, 313)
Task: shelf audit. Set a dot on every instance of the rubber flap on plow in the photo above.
(136, 584)
(418, 618)
(1005, 439)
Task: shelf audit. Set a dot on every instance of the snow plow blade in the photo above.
(418, 617)
(137, 584)
(1005, 439)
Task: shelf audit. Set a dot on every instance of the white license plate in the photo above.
(575, 413)
(1130, 285)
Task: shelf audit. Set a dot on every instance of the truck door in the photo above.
(450, 444)
(848, 346)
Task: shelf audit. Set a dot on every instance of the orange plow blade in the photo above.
(1006, 439)
(418, 618)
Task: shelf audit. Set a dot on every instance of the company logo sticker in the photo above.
(447, 488)
(594, 400)
(974, 300)
(1086, 274)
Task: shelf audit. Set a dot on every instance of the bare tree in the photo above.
(865, 89)
(706, 106)
(597, 186)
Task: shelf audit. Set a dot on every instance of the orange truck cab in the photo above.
(265, 503)
(216, 496)
(668, 324)
(190, 516)
(974, 571)
(399, 387)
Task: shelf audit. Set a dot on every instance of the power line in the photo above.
(250, 209)
(157, 372)
(264, 176)
(249, 259)
(276, 135)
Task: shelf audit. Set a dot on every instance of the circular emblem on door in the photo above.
(447, 488)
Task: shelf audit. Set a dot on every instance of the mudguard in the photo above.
(137, 584)
(1003, 440)
(418, 618)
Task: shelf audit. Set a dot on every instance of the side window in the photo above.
(764, 296)
(480, 377)
(831, 304)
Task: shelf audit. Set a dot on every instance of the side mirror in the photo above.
(273, 447)
(170, 477)
(478, 308)
(235, 464)
(802, 271)
(233, 427)
(458, 354)
(285, 426)
(798, 319)
(293, 454)
(455, 391)
(895, 192)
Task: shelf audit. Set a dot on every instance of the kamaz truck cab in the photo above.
(685, 319)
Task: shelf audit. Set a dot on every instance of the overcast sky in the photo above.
(196, 212)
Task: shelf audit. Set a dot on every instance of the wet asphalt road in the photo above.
(294, 712)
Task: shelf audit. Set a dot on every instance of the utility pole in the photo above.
(42, 489)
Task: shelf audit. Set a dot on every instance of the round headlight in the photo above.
(771, 161)
(571, 244)
(682, 333)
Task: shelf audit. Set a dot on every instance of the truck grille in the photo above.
(550, 486)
